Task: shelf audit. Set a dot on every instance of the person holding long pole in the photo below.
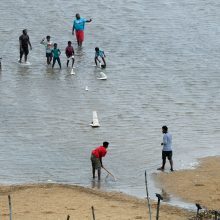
(96, 158)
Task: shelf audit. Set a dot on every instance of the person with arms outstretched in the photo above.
(78, 27)
(96, 159)
(167, 148)
(101, 54)
(69, 53)
(49, 46)
(24, 42)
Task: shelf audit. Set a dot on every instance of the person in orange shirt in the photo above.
(96, 158)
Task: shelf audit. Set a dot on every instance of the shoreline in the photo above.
(198, 185)
(56, 201)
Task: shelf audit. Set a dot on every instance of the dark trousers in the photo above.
(58, 60)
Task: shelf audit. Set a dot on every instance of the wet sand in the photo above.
(200, 185)
(51, 201)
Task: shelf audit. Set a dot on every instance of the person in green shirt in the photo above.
(56, 55)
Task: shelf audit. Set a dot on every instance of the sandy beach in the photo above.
(53, 201)
(200, 185)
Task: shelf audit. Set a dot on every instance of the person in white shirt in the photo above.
(49, 46)
(167, 148)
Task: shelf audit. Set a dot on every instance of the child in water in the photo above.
(48, 45)
(56, 55)
(101, 54)
(70, 53)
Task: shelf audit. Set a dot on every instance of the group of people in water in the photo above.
(53, 52)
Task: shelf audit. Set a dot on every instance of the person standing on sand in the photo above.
(96, 159)
(167, 148)
(78, 26)
(24, 42)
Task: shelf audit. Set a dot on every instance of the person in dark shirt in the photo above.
(70, 53)
(24, 42)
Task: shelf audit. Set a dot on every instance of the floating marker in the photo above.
(95, 121)
(72, 72)
(102, 76)
(86, 88)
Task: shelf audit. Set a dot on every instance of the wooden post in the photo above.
(10, 208)
(93, 213)
(148, 198)
(158, 204)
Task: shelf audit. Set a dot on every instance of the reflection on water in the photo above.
(166, 196)
(96, 184)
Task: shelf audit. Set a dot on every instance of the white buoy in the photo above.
(87, 89)
(102, 76)
(72, 72)
(95, 121)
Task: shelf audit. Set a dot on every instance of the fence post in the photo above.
(10, 207)
(93, 213)
(159, 197)
(148, 198)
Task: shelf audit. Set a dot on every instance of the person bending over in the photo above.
(96, 158)
(100, 54)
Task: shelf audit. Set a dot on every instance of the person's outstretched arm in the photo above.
(42, 41)
(89, 20)
(103, 59)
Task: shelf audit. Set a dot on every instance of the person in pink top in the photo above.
(96, 158)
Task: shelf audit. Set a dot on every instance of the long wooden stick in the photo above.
(93, 213)
(148, 198)
(10, 208)
(109, 173)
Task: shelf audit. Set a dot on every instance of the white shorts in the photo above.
(69, 58)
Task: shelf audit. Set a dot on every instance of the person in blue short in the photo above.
(101, 54)
(56, 55)
(78, 26)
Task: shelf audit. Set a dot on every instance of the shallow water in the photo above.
(162, 67)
